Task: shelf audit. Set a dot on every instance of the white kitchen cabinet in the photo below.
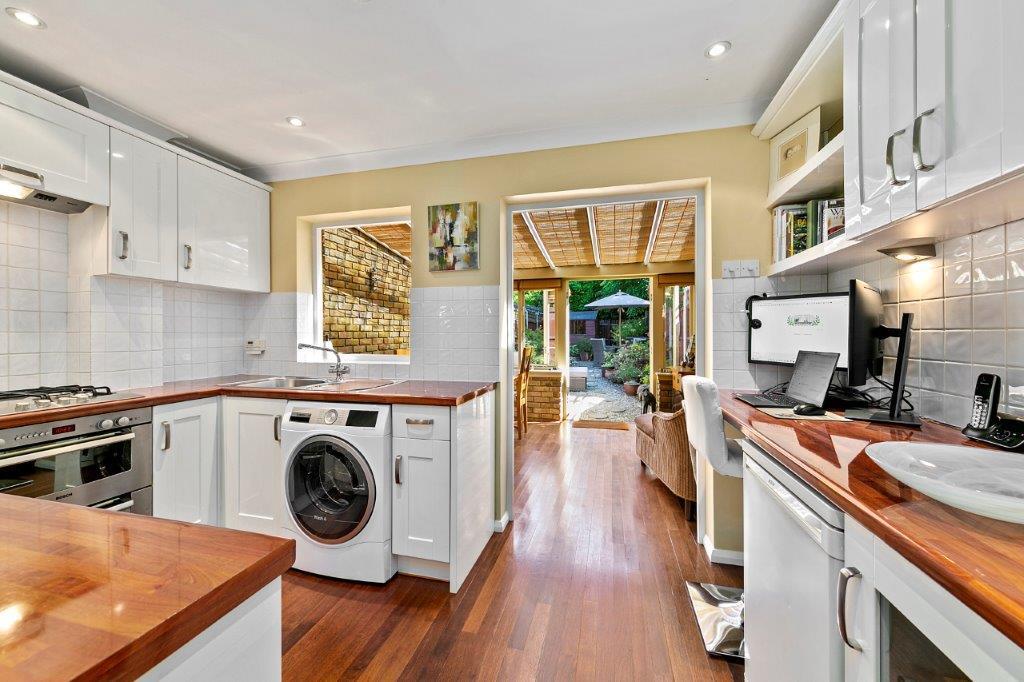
(223, 229)
(443, 487)
(421, 498)
(186, 483)
(252, 463)
(142, 229)
(878, 103)
(67, 150)
(904, 625)
(962, 58)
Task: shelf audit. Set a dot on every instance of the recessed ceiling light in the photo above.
(295, 121)
(26, 17)
(717, 49)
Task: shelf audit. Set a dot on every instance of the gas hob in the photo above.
(53, 397)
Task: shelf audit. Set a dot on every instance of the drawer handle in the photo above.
(124, 245)
(919, 163)
(188, 256)
(398, 470)
(167, 435)
(846, 574)
(419, 422)
(277, 428)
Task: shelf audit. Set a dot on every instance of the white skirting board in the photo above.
(501, 524)
(722, 556)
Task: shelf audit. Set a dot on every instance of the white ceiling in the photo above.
(390, 82)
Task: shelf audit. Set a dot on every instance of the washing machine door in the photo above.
(330, 489)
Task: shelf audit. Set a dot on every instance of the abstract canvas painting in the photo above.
(454, 236)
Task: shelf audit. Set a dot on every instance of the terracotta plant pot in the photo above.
(608, 373)
(630, 387)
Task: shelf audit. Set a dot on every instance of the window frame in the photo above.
(317, 312)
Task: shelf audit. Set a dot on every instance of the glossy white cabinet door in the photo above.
(143, 231)
(902, 95)
(870, 21)
(185, 472)
(421, 494)
(223, 230)
(1013, 85)
(67, 149)
(861, 614)
(253, 466)
(960, 63)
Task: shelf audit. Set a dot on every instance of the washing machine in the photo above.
(337, 489)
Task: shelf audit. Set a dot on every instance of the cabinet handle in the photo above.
(277, 428)
(890, 169)
(846, 574)
(167, 435)
(124, 245)
(919, 163)
(398, 469)
(188, 256)
(20, 175)
(419, 422)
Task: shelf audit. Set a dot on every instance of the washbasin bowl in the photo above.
(986, 482)
(278, 382)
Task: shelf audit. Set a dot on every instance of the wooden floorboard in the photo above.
(586, 583)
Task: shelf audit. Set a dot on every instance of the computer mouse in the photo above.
(808, 410)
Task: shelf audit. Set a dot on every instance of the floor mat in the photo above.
(591, 424)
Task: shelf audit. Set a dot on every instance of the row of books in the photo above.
(800, 226)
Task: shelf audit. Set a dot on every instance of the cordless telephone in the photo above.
(987, 425)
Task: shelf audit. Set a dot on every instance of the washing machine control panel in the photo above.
(329, 416)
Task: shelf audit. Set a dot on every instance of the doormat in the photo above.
(592, 424)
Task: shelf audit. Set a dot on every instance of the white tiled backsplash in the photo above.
(132, 333)
(968, 305)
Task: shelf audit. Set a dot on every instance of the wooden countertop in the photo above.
(978, 560)
(411, 392)
(91, 594)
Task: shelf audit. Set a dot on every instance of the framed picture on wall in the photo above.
(454, 236)
(794, 146)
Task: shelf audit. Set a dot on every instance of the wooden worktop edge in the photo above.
(944, 573)
(144, 652)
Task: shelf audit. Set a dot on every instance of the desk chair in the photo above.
(719, 609)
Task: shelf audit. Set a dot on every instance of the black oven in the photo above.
(103, 461)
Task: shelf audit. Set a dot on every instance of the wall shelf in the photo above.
(821, 177)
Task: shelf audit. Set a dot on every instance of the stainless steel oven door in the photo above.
(85, 471)
(137, 502)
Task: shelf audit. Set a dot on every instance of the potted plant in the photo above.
(608, 370)
(630, 376)
(584, 347)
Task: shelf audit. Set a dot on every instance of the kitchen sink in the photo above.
(278, 382)
(986, 482)
(356, 384)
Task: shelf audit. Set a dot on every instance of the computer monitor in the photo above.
(782, 326)
(867, 335)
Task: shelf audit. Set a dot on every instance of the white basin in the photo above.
(986, 482)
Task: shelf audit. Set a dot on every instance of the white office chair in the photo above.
(719, 609)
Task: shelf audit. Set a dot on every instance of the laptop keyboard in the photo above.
(782, 400)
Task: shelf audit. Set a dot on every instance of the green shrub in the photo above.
(628, 373)
(584, 346)
(535, 339)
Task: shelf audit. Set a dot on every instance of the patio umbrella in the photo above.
(620, 301)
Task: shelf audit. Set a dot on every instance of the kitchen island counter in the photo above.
(93, 594)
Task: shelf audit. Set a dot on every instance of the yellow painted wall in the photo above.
(735, 162)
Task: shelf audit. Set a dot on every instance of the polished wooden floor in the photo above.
(586, 583)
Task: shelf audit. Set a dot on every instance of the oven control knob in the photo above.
(123, 421)
(43, 402)
(23, 406)
(65, 400)
(330, 416)
(106, 424)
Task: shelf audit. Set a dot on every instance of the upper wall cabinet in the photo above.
(933, 103)
(68, 150)
(142, 234)
(223, 229)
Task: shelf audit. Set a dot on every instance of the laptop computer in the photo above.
(812, 376)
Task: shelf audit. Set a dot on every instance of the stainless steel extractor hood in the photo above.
(26, 187)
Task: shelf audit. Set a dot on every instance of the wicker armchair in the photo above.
(662, 446)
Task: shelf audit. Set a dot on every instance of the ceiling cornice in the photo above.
(679, 121)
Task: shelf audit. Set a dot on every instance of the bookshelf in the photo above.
(821, 176)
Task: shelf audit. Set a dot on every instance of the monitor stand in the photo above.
(895, 414)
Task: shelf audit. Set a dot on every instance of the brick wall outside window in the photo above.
(366, 294)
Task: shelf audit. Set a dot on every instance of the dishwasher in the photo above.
(793, 552)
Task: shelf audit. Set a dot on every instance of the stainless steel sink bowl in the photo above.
(278, 382)
(355, 384)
